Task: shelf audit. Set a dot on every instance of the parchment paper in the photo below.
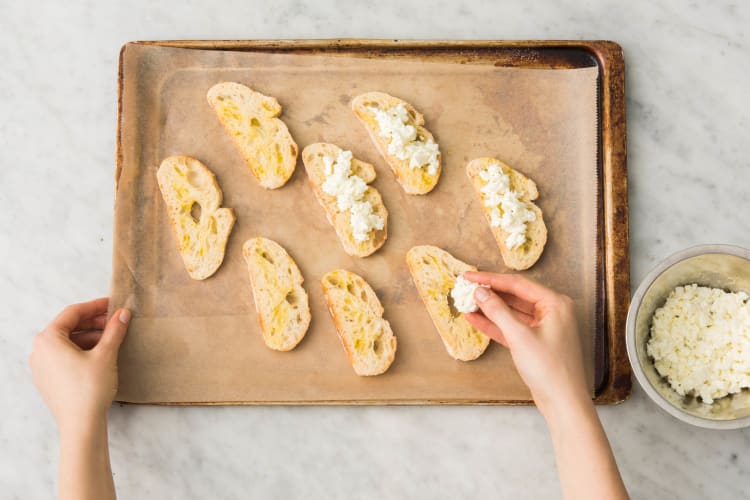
(199, 341)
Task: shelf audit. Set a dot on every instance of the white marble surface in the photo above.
(688, 108)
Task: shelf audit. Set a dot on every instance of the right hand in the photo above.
(539, 328)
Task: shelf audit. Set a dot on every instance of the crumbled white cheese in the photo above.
(364, 220)
(700, 341)
(349, 189)
(463, 295)
(393, 124)
(506, 210)
(340, 182)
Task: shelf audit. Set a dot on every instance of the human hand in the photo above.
(74, 362)
(539, 328)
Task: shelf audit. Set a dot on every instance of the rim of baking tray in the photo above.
(635, 362)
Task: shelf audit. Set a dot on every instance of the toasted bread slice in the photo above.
(434, 272)
(312, 157)
(414, 180)
(264, 141)
(193, 200)
(280, 301)
(367, 338)
(526, 255)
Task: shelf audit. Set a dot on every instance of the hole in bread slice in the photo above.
(195, 211)
(377, 345)
(266, 257)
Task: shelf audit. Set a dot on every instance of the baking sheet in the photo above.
(199, 342)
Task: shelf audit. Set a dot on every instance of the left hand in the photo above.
(74, 362)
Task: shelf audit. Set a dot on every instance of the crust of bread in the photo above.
(367, 338)
(434, 272)
(312, 158)
(412, 180)
(264, 141)
(185, 183)
(529, 253)
(280, 300)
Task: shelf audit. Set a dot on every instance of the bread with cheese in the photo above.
(312, 158)
(264, 141)
(367, 338)
(528, 254)
(281, 302)
(434, 272)
(200, 225)
(413, 180)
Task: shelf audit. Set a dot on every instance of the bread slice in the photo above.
(434, 272)
(413, 180)
(193, 200)
(280, 301)
(264, 141)
(367, 338)
(526, 255)
(312, 158)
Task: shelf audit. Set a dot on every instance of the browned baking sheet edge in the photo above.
(615, 384)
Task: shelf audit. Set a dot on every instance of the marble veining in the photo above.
(689, 164)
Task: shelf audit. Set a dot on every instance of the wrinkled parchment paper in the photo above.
(199, 341)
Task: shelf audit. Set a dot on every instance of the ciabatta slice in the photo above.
(200, 225)
(526, 255)
(413, 180)
(312, 158)
(367, 338)
(434, 272)
(280, 301)
(264, 141)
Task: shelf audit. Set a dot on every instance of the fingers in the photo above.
(498, 312)
(95, 323)
(520, 305)
(484, 325)
(71, 317)
(86, 340)
(513, 284)
(114, 332)
(526, 319)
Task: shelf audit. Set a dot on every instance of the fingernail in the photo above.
(482, 294)
(124, 316)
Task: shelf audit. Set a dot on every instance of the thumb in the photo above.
(114, 331)
(497, 311)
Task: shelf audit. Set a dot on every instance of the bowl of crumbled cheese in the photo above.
(688, 336)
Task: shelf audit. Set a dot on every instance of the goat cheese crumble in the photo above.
(403, 142)
(506, 209)
(700, 342)
(349, 190)
(463, 295)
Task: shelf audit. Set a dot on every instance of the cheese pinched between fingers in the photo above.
(367, 338)
(200, 225)
(264, 141)
(507, 202)
(397, 130)
(435, 272)
(354, 209)
(280, 301)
